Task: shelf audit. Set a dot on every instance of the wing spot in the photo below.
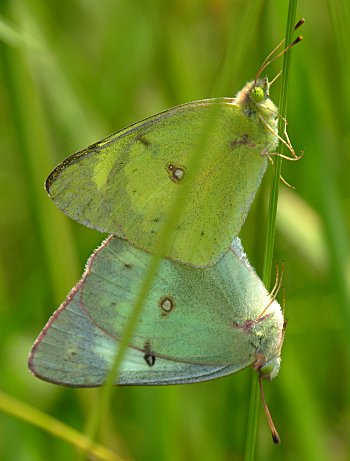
(202, 233)
(176, 172)
(149, 357)
(127, 266)
(143, 140)
(166, 304)
(244, 140)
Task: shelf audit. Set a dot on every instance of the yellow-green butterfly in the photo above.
(126, 184)
(197, 323)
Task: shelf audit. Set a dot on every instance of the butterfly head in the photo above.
(254, 98)
(259, 91)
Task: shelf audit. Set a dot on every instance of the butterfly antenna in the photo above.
(299, 23)
(276, 288)
(266, 63)
(275, 78)
(269, 59)
(279, 278)
(284, 301)
(275, 437)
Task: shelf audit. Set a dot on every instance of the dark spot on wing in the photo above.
(143, 140)
(127, 266)
(244, 140)
(176, 172)
(149, 357)
(167, 305)
(202, 233)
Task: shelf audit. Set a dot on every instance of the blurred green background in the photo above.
(73, 72)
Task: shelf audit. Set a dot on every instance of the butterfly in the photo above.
(196, 324)
(127, 183)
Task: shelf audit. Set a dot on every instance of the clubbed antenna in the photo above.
(299, 23)
(275, 289)
(271, 58)
(268, 61)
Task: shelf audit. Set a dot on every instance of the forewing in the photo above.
(126, 184)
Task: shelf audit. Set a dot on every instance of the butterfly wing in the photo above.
(73, 351)
(194, 324)
(190, 314)
(126, 184)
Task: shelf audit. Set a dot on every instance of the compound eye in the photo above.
(270, 369)
(257, 94)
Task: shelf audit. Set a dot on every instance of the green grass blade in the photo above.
(27, 413)
(253, 416)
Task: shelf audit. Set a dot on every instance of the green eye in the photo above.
(270, 368)
(267, 368)
(257, 94)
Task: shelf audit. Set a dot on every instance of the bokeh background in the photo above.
(75, 71)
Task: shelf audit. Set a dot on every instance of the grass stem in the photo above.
(254, 406)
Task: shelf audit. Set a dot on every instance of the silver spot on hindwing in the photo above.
(167, 305)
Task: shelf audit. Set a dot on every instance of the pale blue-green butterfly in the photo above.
(126, 184)
(196, 324)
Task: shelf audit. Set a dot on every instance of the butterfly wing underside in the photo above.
(126, 184)
(193, 339)
(73, 351)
